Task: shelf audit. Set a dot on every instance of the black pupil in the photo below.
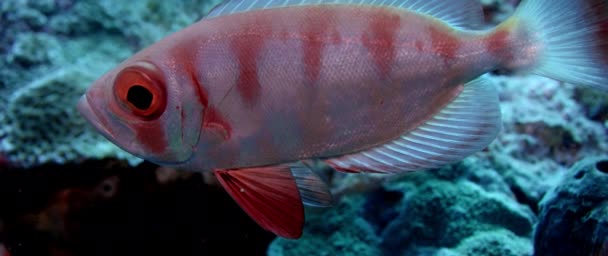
(140, 97)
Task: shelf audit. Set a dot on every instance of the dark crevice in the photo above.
(522, 198)
(602, 166)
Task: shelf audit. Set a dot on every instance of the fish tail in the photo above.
(566, 40)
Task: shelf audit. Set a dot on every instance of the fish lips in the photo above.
(93, 118)
(115, 132)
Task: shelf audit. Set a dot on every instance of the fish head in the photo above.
(144, 107)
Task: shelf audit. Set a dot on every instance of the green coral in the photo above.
(441, 213)
(344, 231)
(34, 48)
(492, 243)
(39, 125)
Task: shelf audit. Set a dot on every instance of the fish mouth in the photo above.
(90, 115)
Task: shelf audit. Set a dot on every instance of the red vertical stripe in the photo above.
(247, 49)
(315, 36)
(444, 43)
(498, 45)
(380, 38)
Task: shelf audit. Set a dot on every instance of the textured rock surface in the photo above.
(573, 215)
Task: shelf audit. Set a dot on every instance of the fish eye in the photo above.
(140, 97)
(140, 92)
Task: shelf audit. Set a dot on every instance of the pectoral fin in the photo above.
(214, 123)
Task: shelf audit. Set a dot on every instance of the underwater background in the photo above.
(538, 189)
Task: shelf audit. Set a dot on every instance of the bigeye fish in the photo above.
(259, 87)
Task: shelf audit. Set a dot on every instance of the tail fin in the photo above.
(572, 37)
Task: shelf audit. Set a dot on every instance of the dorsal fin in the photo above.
(457, 13)
(466, 125)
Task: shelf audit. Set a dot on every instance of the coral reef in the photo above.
(573, 218)
(51, 51)
(449, 211)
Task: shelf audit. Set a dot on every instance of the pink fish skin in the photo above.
(284, 85)
(268, 87)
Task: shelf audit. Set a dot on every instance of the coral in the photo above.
(443, 210)
(491, 243)
(545, 130)
(41, 127)
(573, 218)
(333, 231)
(139, 22)
(594, 104)
(555, 124)
(33, 48)
(51, 51)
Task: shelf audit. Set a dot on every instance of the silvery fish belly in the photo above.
(258, 88)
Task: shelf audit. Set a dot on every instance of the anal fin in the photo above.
(466, 125)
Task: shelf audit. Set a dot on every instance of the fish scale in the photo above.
(258, 90)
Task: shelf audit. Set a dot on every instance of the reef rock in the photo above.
(574, 214)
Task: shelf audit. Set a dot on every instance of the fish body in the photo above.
(284, 90)
(255, 88)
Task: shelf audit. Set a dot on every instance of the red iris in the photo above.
(140, 92)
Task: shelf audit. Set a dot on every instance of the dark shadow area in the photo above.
(108, 208)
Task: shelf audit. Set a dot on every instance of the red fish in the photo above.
(256, 87)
